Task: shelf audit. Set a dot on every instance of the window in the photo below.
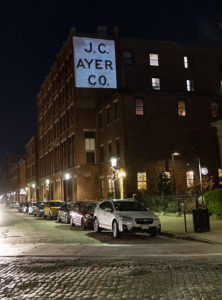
(111, 186)
(100, 120)
(141, 181)
(108, 115)
(116, 110)
(181, 108)
(214, 109)
(155, 83)
(139, 106)
(110, 149)
(117, 147)
(221, 86)
(190, 179)
(220, 176)
(127, 58)
(90, 147)
(190, 85)
(186, 62)
(154, 59)
(101, 153)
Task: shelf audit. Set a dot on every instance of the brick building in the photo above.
(32, 169)
(166, 98)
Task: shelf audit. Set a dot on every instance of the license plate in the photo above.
(144, 226)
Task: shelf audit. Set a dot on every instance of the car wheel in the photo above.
(44, 216)
(71, 222)
(82, 224)
(96, 225)
(115, 228)
(67, 219)
(153, 233)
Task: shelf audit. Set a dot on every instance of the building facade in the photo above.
(32, 170)
(166, 98)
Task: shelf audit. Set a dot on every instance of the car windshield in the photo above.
(88, 206)
(128, 206)
(55, 204)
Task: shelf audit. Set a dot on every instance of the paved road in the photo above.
(111, 279)
(42, 259)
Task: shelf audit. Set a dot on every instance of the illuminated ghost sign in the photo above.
(94, 63)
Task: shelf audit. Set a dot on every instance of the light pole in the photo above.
(203, 171)
(113, 161)
(67, 177)
(47, 189)
(174, 178)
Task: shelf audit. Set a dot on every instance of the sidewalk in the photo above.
(175, 226)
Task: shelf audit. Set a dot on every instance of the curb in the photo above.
(183, 236)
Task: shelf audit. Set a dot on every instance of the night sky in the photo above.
(32, 32)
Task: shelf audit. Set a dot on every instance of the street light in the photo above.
(174, 178)
(113, 161)
(67, 177)
(202, 171)
(173, 169)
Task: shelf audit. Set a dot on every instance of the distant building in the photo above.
(166, 98)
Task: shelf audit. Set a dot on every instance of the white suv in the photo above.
(125, 216)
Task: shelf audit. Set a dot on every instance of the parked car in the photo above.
(51, 209)
(25, 207)
(38, 209)
(31, 208)
(63, 213)
(13, 204)
(82, 214)
(20, 207)
(125, 216)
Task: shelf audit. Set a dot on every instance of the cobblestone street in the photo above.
(111, 279)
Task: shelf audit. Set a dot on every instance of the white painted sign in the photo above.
(94, 63)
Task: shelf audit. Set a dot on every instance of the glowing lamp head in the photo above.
(47, 181)
(113, 161)
(67, 176)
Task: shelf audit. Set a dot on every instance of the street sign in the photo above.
(94, 63)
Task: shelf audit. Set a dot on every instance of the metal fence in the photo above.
(170, 204)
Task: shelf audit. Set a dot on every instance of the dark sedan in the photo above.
(82, 213)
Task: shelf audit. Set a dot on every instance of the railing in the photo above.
(170, 204)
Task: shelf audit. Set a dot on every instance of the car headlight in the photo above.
(126, 219)
(156, 219)
(88, 216)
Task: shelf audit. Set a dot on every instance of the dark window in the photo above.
(127, 58)
(108, 115)
(101, 153)
(116, 110)
(110, 149)
(100, 120)
(118, 148)
(194, 141)
(214, 109)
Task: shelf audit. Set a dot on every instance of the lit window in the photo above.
(154, 59)
(156, 83)
(111, 186)
(190, 179)
(214, 109)
(127, 58)
(190, 85)
(186, 62)
(141, 181)
(90, 147)
(139, 106)
(181, 108)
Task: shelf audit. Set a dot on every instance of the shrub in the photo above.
(213, 200)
